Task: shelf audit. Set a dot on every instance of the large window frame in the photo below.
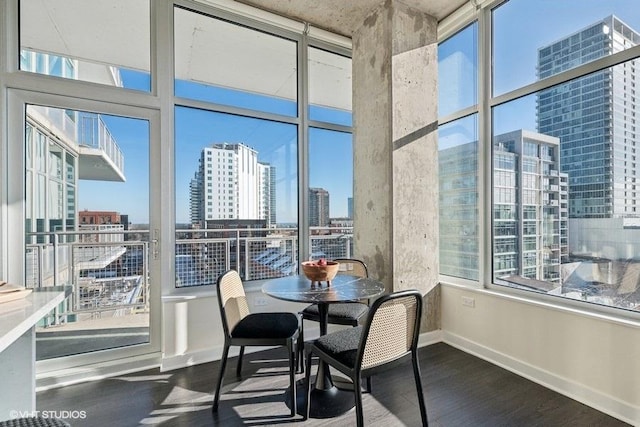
(157, 105)
(482, 17)
(306, 38)
(161, 98)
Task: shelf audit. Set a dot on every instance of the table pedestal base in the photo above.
(324, 403)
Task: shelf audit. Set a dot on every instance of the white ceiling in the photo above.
(116, 32)
(344, 16)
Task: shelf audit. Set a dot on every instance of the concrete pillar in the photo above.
(395, 88)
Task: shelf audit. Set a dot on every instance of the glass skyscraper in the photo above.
(595, 119)
(529, 209)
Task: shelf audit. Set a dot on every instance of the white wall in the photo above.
(593, 359)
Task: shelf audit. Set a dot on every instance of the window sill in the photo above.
(209, 291)
(575, 307)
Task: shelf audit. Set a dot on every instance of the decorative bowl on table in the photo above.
(320, 271)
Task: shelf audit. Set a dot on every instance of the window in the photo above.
(458, 171)
(330, 194)
(226, 63)
(562, 178)
(458, 71)
(329, 87)
(249, 161)
(49, 42)
(557, 38)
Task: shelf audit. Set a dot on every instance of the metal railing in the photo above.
(108, 269)
(93, 132)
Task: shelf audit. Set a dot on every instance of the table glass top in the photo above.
(343, 288)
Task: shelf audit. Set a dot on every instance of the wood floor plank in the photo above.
(460, 390)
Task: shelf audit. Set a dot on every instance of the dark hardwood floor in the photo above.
(460, 390)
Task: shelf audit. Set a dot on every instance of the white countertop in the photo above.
(17, 317)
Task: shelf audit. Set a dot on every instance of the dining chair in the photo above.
(389, 334)
(348, 313)
(242, 328)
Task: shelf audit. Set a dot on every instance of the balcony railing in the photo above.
(93, 132)
(109, 269)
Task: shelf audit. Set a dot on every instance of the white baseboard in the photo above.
(429, 338)
(579, 392)
(169, 363)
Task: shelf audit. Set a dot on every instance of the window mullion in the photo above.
(484, 148)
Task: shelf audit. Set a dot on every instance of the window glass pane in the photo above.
(570, 154)
(532, 42)
(238, 176)
(76, 40)
(329, 87)
(225, 63)
(458, 174)
(330, 194)
(86, 224)
(458, 71)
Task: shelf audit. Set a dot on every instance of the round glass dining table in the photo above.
(327, 400)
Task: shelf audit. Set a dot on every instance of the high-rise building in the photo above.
(196, 207)
(529, 208)
(350, 207)
(458, 203)
(230, 183)
(267, 190)
(318, 207)
(594, 117)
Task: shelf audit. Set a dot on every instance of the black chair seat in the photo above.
(389, 333)
(345, 311)
(341, 345)
(242, 328)
(266, 325)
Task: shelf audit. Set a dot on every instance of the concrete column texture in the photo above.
(395, 113)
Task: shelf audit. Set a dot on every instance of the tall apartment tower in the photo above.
(529, 208)
(459, 219)
(318, 207)
(230, 183)
(267, 193)
(196, 207)
(594, 117)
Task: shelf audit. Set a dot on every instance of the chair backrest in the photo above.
(352, 266)
(231, 299)
(392, 328)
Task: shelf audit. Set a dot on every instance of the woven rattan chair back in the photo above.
(233, 301)
(389, 334)
(242, 328)
(393, 330)
(352, 266)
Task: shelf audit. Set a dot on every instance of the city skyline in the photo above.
(232, 183)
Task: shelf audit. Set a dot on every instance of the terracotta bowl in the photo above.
(320, 273)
